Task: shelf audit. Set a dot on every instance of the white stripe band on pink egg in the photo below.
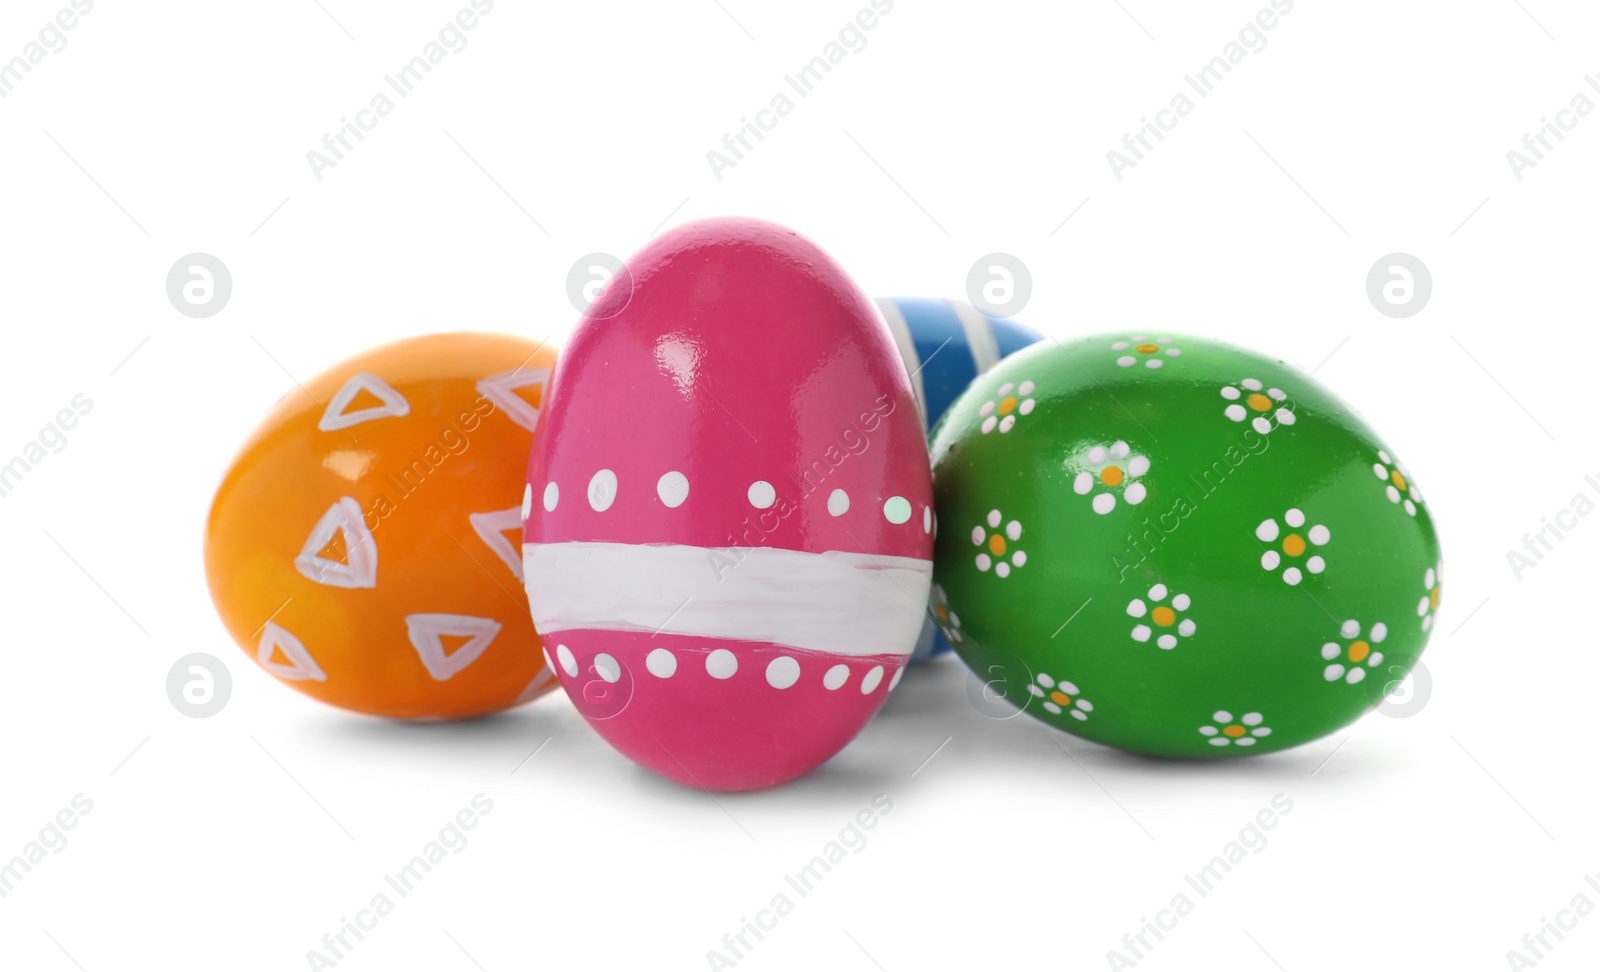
(837, 602)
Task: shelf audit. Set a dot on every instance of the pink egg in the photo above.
(729, 524)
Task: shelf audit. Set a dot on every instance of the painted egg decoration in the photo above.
(729, 552)
(363, 547)
(1178, 547)
(946, 344)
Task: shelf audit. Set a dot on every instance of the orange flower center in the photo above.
(1008, 404)
(1258, 401)
(1060, 698)
(1147, 348)
(1433, 599)
(1399, 480)
(1359, 651)
(1111, 475)
(997, 545)
(1234, 731)
(1163, 616)
(1294, 545)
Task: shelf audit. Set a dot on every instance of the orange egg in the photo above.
(365, 546)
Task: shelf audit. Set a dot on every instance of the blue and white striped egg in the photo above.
(946, 344)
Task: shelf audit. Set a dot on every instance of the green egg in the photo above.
(1177, 547)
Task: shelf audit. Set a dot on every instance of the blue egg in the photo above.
(946, 344)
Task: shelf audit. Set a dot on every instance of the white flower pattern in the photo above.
(1227, 732)
(1397, 483)
(1345, 660)
(1113, 470)
(1060, 696)
(995, 545)
(1432, 582)
(1293, 546)
(1140, 347)
(1162, 617)
(1002, 411)
(1250, 397)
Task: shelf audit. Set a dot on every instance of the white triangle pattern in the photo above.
(301, 666)
(541, 682)
(491, 527)
(361, 551)
(336, 418)
(501, 389)
(425, 631)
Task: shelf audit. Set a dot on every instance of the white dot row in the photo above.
(673, 489)
(782, 672)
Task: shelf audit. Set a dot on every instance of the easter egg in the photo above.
(1176, 547)
(945, 345)
(363, 547)
(729, 552)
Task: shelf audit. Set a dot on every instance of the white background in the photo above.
(237, 842)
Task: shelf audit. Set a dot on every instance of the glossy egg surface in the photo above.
(363, 547)
(1173, 546)
(729, 547)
